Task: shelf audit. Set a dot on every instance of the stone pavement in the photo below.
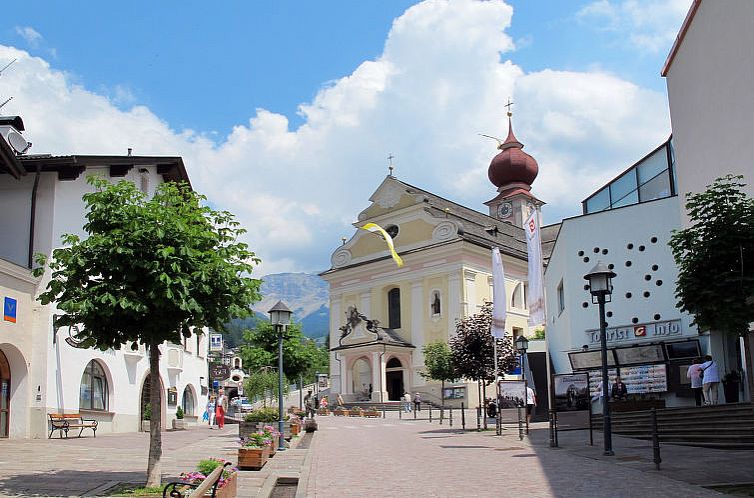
(88, 466)
(390, 457)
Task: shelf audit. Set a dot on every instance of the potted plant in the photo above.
(295, 427)
(356, 412)
(274, 437)
(256, 420)
(371, 412)
(340, 411)
(254, 451)
(731, 385)
(228, 485)
(179, 423)
(323, 410)
(146, 416)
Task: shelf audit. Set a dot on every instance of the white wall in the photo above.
(711, 98)
(612, 231)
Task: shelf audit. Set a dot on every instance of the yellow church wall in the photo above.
(413, 232)
(376, 210)
(435, 328)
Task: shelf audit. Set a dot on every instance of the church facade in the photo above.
(382, 315)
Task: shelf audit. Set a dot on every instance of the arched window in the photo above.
(436, 304)
(93, 393)
(517, 298)
(394, 363)
(188, 401)
(394, 308)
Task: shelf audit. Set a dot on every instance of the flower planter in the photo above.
(180, 424)
(372, 414)
(355, 413)
(253, 458)
(340, 413)
(273, 446)
(323, 411)
(145, 426)
(230, 489)
(295, 430)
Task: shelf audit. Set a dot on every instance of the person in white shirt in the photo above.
(407, 402)
(710, 380)
(531, 402)
(694, 375)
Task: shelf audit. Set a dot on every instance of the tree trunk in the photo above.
(749, 365)
(154, 469)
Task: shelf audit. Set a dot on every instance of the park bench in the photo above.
(177, 489)
(63, 422)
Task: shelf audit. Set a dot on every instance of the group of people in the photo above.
(705, 377)
(408, 400)
(214, 414)
(313, 403)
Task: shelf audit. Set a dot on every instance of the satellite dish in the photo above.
(18, 142)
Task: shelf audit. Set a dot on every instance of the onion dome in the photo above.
(512, 165)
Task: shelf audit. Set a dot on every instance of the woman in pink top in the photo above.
(694, 374)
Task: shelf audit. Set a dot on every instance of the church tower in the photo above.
(513, 171)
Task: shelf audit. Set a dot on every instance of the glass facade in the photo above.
(651, 178)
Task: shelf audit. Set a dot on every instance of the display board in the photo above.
(639, 379)
(511, 393)
(584, 360)
(640, 355)
(454, 393)
(571, 391)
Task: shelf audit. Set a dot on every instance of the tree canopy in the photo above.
(473, 348)
(714, 256)
(150, 270)
(301, 355)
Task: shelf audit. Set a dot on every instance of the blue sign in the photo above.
(517, 369)
(9, 310)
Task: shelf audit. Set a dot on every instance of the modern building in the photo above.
(382, 315)
(42, 369)
(627, 225)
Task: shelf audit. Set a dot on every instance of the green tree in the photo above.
(301, 356)
(472, 348)
(150, 270)
(714, 255)
(263, 383)
(438, 365)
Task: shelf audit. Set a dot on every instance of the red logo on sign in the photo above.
(640, 331)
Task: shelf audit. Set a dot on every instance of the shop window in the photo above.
(188, 403)
(394, 308)
(93, 393)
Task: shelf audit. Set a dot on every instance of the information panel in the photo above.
(639, 379)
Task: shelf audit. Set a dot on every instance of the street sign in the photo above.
(218, 371)
(216, 342)
(9, 312)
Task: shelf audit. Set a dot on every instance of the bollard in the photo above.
(450, 418)
(442, 413)
(415, 410)
(520, 425)
(463, 417)
(478, 421)
(400, 412)
(553, 429)
(430, 414)
(655, 440)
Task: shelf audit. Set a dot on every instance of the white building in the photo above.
(41, 370)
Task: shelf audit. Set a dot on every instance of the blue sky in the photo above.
(322, 91)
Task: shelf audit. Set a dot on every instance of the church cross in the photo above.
(390, 164)
(508, 105)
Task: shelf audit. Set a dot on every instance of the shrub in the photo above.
(147, 412)
(179, 413)
(262, 415)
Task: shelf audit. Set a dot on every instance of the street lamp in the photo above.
(601, 286)
(280, 317)
(522, 344)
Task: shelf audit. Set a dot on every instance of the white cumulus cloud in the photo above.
(446, 70)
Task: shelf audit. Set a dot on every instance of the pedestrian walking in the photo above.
(309, 405)
(710, 380)
(417, 402)
(220, 408)
(407, 402)
(531, 402)
(694, 373)
(211, 411)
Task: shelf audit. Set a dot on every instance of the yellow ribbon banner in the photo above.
(373, 227)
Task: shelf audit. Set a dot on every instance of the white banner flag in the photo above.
(498, 295)
(536, 295)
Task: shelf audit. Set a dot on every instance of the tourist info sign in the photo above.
(9, 309)
(633, 333)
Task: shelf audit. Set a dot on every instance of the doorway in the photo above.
(4, 396)
(394, 385)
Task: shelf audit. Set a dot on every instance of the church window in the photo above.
(436, 304)
(516, 298)
(394, 308)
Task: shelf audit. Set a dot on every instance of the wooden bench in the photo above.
(177, 489)
(63, 422)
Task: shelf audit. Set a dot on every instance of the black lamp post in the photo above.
(601, 286)
(522, 344)
(280, 317)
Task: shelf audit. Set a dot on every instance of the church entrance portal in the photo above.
(4, 395)
(394, 379)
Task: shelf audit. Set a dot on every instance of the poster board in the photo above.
(639, 379)
(572, 400)
(454, 393)
(510, 396)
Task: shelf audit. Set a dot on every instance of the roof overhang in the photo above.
(681, 35)
(9, 161)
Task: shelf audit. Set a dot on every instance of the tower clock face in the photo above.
(504, 210)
